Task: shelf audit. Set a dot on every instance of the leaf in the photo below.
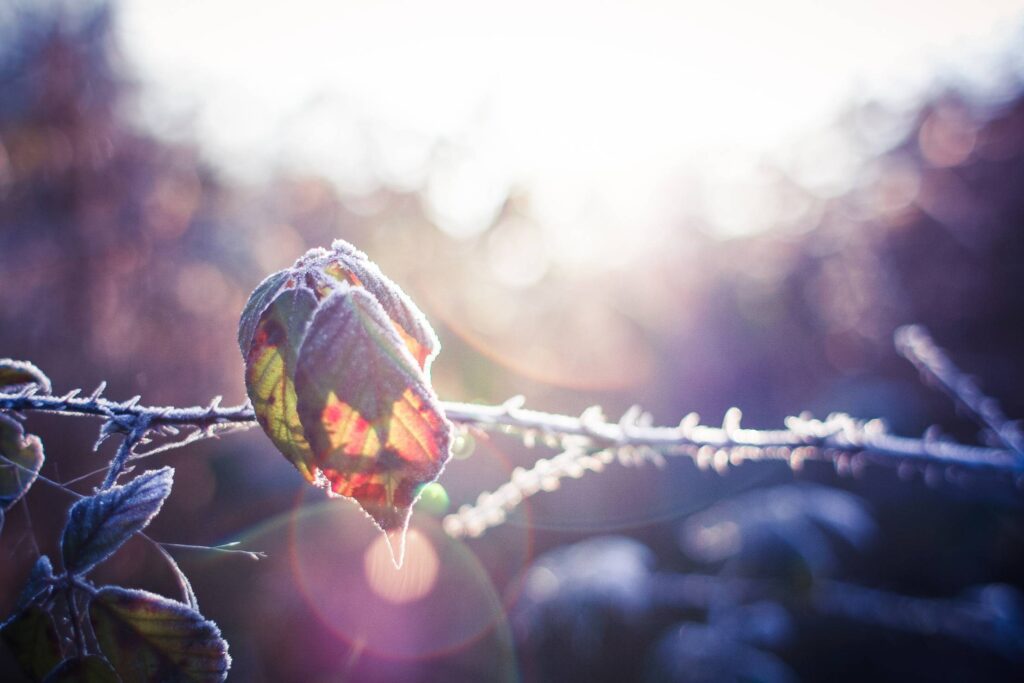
(88, 669)
(375, 427)
(365, 421)
(148, 637)
(32, 636)
(99, 524)
(18, 372)
(258, 300)
(350, 265)
(38, 584)
(21, 457)
(270, 369)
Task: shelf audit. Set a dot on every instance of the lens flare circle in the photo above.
(441, 599)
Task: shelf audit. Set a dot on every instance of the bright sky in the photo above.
(598, 109)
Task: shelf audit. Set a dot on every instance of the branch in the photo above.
(124, 451)
(916, 345)
(96, 406)
(589, 442)
(839, 433)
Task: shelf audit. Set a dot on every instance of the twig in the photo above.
(839, 433)
(76, 621)
(225, 548)
(589, 444)
(917, 346)
(124, 451)
(94, 406)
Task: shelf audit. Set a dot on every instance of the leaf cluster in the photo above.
(63, 627)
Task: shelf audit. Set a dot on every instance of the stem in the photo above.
(838, 434)
(226, 548)
(124, 451)
(76, 621)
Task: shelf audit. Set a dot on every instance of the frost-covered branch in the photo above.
(590, 442)
(916, 345)
(802, 438)
(119, 412)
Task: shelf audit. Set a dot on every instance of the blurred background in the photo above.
(682, 205)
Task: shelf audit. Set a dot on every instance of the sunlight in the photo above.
(612, 116)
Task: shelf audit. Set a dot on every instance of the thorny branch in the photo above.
(589, 442)
(916, 345)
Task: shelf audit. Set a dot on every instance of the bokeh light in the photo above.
(441, 599)
(413, 580)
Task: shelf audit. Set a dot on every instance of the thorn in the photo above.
(688, 423)
(876, 427)
(731, 421)
(514, 403)
(630, 417)
(98, 391)
(592, 415)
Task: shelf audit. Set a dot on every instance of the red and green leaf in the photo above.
(374, 425)
(348, 264)
(270, 372)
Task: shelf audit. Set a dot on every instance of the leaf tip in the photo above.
(395, 541)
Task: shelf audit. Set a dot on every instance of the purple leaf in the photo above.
(99, 524)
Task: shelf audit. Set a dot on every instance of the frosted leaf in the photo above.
(99, 524)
